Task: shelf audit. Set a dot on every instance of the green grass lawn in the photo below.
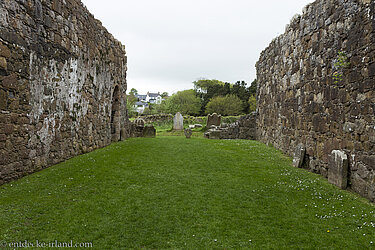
(173, 192)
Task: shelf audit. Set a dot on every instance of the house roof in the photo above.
(153, 94)
(141, 104)
(141, 97)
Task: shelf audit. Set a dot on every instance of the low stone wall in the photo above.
(305, 97)
(244, 128)
(62, 85)
(139, 128)
(157, 118)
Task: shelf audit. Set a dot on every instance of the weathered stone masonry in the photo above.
(298, 101)
(62, 84)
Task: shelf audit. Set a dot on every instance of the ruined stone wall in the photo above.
(243, 128)
(62, 84)
(299, 101)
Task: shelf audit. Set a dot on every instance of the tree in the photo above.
(133, 91)
(253, 88)
(202, 85)
(206, 89)
(130, 102)
(252, 103)
(239, 89)
(185, 102)
(225, 105)
(165, 94)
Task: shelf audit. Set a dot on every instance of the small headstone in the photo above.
(299, 156)
(139, 122)
(213, 119)
(178, 122)
(198, 125)
(338, 169)
(188, 132)
(149, 131)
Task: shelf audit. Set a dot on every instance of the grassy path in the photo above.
(171, 192)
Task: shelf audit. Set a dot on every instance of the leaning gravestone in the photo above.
(299, 156)
(338, 169)
(178, 122)
(188, 132)
(213, 119)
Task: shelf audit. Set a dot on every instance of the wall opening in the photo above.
(115, 115)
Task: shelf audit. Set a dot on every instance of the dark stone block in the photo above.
(371, 70)
(369, 160)
(149, 131)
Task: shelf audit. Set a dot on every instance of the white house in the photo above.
(144, 100)
(153, 98)
(140, 107)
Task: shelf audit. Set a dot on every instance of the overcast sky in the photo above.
(171, 43)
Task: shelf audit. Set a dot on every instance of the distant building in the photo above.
(144, 101)
(153, 98)
(140, 107)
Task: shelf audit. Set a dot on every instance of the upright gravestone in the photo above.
(338, 169)
(178, 122)
(213, 119)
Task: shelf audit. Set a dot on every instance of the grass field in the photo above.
(173, 192)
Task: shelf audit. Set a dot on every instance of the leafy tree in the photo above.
(207, 89)
(202, 85)
(130, 104)
(225, 105)
(252, 103)
(185, 102)
(133, 91)
(253, 88)
(239, 89)
(165, 94)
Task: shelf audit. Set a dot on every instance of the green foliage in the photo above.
(133, 91)
(225, 105)
(203, 85)
(229, 119)
(164, 94)
(252, 103)
(208, 89)
(340, 64)
(185, 102)
(130, 102)
(173, 193)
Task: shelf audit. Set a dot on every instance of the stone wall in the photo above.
(244, 128)
(62, 85)
(299, 100)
